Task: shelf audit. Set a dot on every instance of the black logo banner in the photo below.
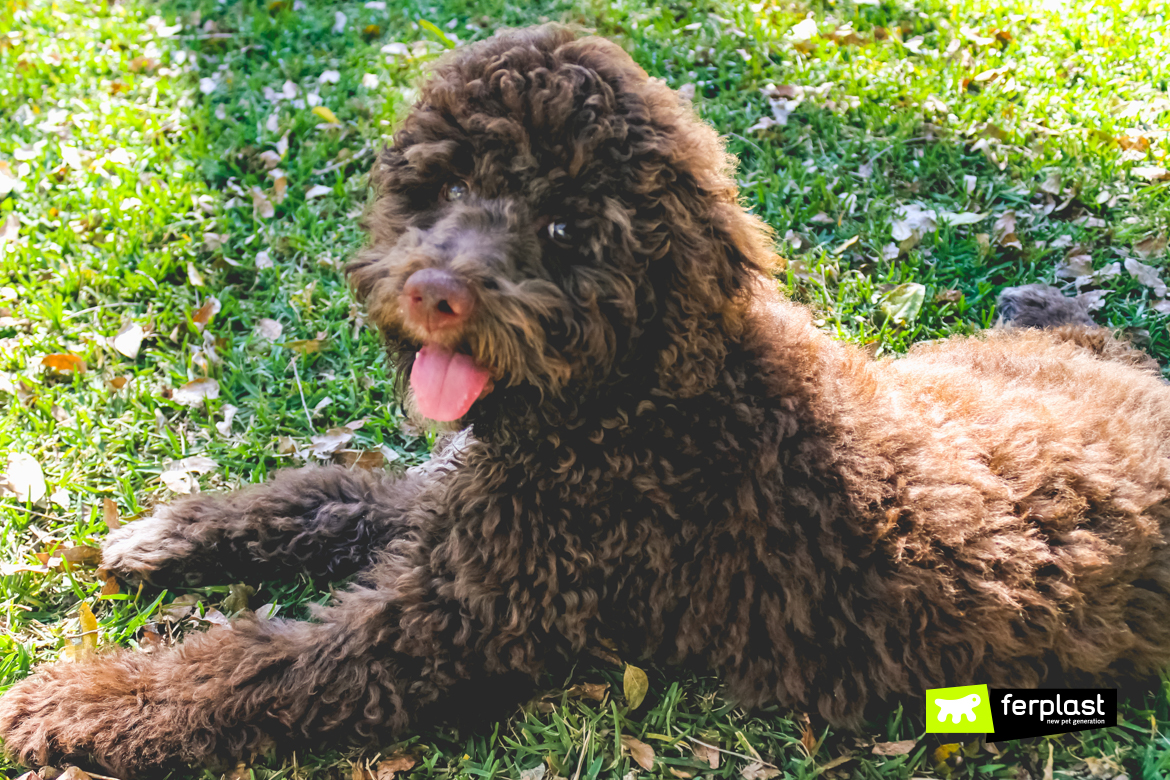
(1036, 712)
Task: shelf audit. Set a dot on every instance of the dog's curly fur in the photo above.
(669, 457)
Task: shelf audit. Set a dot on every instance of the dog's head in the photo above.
(552, 226)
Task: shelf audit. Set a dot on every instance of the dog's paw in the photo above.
(90, 712)
(23, 710)
(149, 550)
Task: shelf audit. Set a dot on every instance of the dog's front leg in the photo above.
(324, 521)
(231, 691)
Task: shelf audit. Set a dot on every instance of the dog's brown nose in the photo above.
(435, 299)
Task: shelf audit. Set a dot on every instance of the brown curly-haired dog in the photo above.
(665, 454)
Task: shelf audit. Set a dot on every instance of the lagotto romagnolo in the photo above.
(663, 453)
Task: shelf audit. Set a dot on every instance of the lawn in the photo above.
(179, 187)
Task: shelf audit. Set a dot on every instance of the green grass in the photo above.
(965, 107)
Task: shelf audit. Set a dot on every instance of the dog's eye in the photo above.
(559, 232)
(456, 191)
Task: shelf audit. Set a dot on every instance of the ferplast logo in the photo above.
(1016, 713)
(962, 710)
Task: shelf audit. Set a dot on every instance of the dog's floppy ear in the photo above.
(709, 273)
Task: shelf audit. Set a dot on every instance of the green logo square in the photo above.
(962, 710)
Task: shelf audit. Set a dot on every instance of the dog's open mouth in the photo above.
(446, 383)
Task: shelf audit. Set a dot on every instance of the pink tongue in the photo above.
(445, 384)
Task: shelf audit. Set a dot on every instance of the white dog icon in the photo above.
(958, 709)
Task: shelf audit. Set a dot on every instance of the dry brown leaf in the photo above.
(81, 555)
(285, 445)
(110, 514)
(64, 362)
(681, 773)
(387, 768)
(1150, 247)
(595, 691)
(205, 312)
(757, 770)
(707, 753)
(899, 748)
(808, 740)
(362, 459)
(262, 207)
(110, 586)
(269, 330)
(179, 608)
(331, 441)
(641, 752)
(73, 773)
(196, 391)
(635, 686)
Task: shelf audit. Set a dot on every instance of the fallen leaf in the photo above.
(81, 555)
(110, 585)
(1077, 263)
(707, 753)
(179, 608)
(757, 770)
(339, 20)
(64, 363)
(270, 159)
(269, 330)
(10, 230)
(1150, 247)
(902, 304)
(8, 180)
(263, 260)
(261, 206)
(326, 114)
(1151, 173)
(680, 773)
(285, 445)
(914, 223)
(196, 391)
(306, 346)
(237, 598)
(369, 81)
(128, 339)
(23, 479)
(318, 191)
(193, 275)
(900, 748)
(225, 426)
(635, 686)
(808, 740)
(362, 459)
(84, 645)
(595, 691)
(1005, 230)
(61, 498)
(641, 752)
(944, 752)
(1146, 275)
(1052, 185)
(10, 569)
(849, 242)
(388, 767)
(73, 773)
(267, 612)
(214, 616)
(331, 441)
